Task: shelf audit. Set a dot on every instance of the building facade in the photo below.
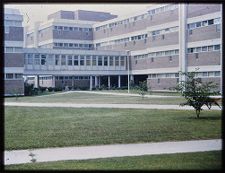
(155, 44)
(13, 53)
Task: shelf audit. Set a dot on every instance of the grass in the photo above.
(184, 161)
(134, 91)
(97, 98)
(30, 127)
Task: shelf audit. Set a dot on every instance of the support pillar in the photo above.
(109, 84)
(99, 81)
(96, 81)
(38, 81)
(91, 83)
(119, 81)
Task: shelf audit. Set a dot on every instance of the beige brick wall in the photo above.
(14, 87)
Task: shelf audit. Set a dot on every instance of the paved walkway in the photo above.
(107, 151)
(126, 106)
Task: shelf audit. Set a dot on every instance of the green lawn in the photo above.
(30, 127)
(134, 91)
(97, 98)
(186, 161)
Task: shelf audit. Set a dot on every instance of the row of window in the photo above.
(13, 49)
(164, 31)
(194, 25)
(73, 45)
(204, 49)
(158, 54)
(139, 17)
(69, 28)
(14, 23)
(176, 75)
(72, 77)
(75, 60)
(13, 76)
(163, 9)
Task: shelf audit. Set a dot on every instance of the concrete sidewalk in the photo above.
(125, 106)
(107, 151)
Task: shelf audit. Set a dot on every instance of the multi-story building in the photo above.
(153, 45)
(13, 53)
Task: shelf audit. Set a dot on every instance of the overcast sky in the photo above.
(39, 12)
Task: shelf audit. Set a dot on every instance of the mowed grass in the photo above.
(88, 98)
(183, 161)
(30, 127)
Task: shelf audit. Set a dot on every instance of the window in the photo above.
(70, 60)
(71, 28)
(122, 60)
(99, 60)
(43, 59)
(93, 60)
(111, 60)
(205, 23)
(56, 59)
(204, 48)
(36, 59)
(105, 61)
(210, 48)
(9, 75)
(63, 60)
(116, 61)
(30, 59)
(217, 47)
(217, 73)
(204, 74)
(75, 60)
(50, 59)
(198, 49)
(82, 60)
(70, 44)
(210, 22)
(88, 60)
(9, 49)
(18, 76)
(198, 24)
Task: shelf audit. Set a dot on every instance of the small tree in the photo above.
(195, 91)
(142, 88)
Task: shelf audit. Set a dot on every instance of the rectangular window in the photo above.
(99, 60)
(205, 74)
(93, 60)
(36, 59)
(18, 75)
(30, 58)
(70, 60)
(122, 60)
(63, 60)
(76, 61)
(56, 59)
(88, 60)
(210, 48)
(105, 61)
(9, 49)
(210, 22)
(111, 61)
(217, 73)
(205, 23)
(198, 24)
(198, 49)
(43, 59)
(50, 59)
(9, 75)
(204, 49)
(82, 60)
(116, 61)
(217, 47)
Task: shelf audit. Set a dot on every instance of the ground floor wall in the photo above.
(12, 87)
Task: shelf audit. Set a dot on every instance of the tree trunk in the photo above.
(197, 113)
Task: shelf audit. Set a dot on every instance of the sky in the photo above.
(39, 12)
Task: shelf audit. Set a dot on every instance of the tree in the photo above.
(142, 88)
(195, 91)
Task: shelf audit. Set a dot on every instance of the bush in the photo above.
(58, 88)
(42, 89)
(28, 88)
(50, 89)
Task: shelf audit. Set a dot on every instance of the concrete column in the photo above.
(182, 39)
(119, 81)
(109, 84)
(99, 81)
(72, 82)
(36, 28)
(96, 81)
(91, 83)
(53, 81)
(37, 81)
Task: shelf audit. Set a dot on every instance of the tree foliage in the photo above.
(196, 92)
(142, 88)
